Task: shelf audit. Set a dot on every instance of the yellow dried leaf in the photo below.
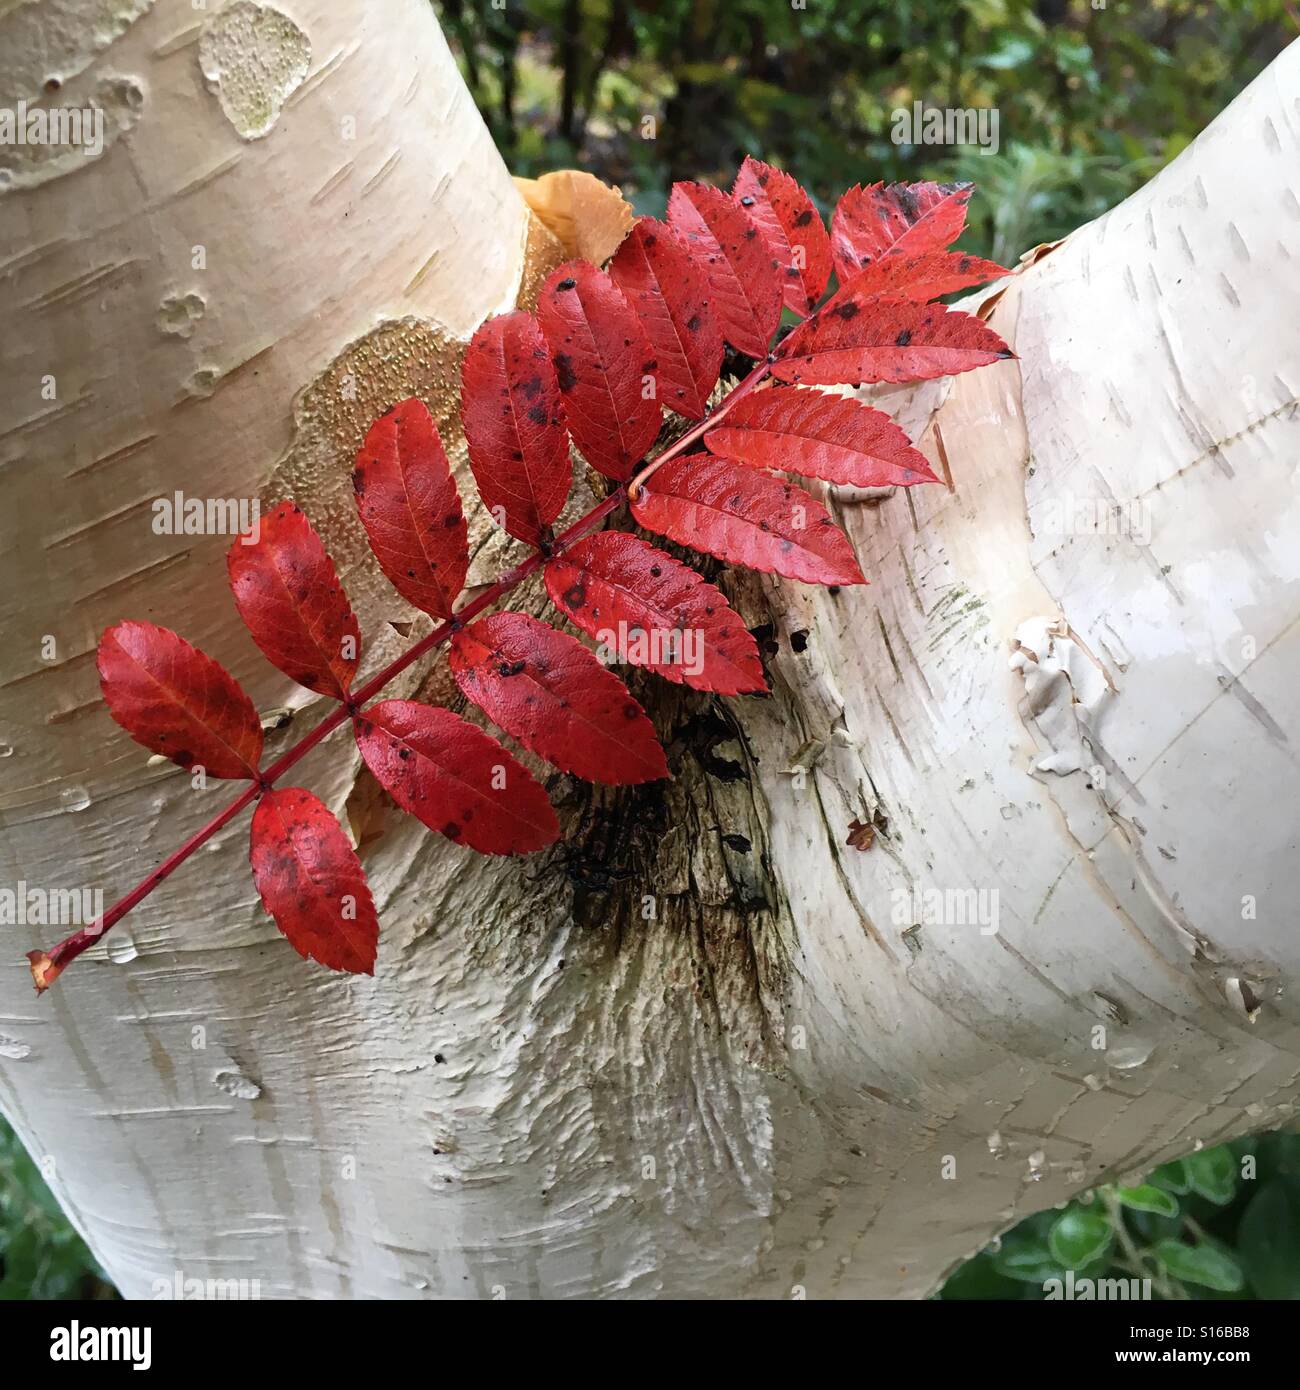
(589, 217)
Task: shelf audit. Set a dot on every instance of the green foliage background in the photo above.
(1091, 102)
(1197, 1228)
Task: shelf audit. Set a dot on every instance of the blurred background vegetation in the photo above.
(1091, 101)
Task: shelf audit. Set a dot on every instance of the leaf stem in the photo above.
(46, 966)
(738, 393)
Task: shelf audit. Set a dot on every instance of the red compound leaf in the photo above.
(411, 510)
(920, 277)
(653, 611)
(788, 218)
(669, 290)
(292, 603)
(750, 518)
(311, 882)
(746, 283)
(177, 701)
(514, 425)
(819, 436)
(907, 218)
(546, 689)
(455, 778)
(860, 338)
(604, 363)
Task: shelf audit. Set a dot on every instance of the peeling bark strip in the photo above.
(574, 1100)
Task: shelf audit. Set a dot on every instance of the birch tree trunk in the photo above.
(706, 1047)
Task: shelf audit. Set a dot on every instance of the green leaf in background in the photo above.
(1079, 1236)
(1011, 52)
(1148, 1198)
(1213, 1173)
(1024, 1255)
(1201, 1264)
(1172, 1177)
(1268, 1241)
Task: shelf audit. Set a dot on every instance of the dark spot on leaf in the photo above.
(564, 371)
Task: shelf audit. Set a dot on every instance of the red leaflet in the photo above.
(879, 338)
(291, 601)
(745, 280)
(669, 290)
(455, 778)
(548, 691)
(750, 518)
(311, 882)
(786, 216)
(655, 612)
(903, 217)
(602, 360)
(514, 425)
(923, 276)
(722, 268)
(178, 701)
(410, 508)
(820, 436)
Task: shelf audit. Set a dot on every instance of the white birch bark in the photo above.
(778, 1083)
